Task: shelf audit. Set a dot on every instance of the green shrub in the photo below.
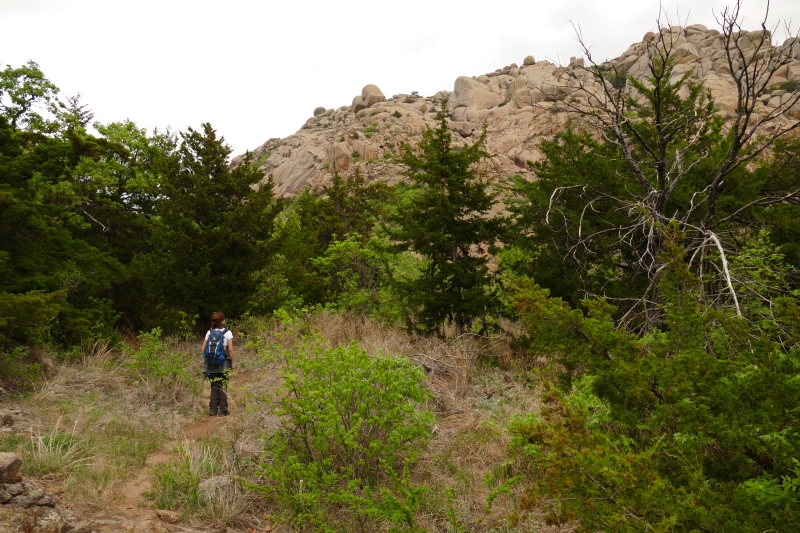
(261, 160)
(789, 86)
(617, 76)
(397, 114)
(27, 317)
(692, 427)
(372, 129)
(176, 484)
(160, 372)
(349, 429)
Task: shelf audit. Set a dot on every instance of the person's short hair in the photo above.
(217, 318)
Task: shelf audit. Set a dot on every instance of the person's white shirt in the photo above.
(228, 335)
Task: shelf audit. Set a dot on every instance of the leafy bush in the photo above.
(371, 130)
(397, 114)
(349, 428)
(789, 86)
(161, 372)
(617, 76)
(26, 317)
(691, 428)
(357, 276)
(261, 160)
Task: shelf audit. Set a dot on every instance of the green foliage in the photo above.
(212, 230)
(771, 492)
(28, 316)
(261, 160)
(666, 432)
(349, 428)
(371, 130)
(162, 372)
(616, 76)
(348, 211)
(23, 92)
(357, 276)
(443, 222)
(16, 371)
(176, 483)
(590, 193)
(397, 114)
(788, 86)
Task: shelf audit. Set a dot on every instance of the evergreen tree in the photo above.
(213, 229)
(448, 223)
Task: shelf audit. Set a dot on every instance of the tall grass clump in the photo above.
(178, 485)
(163, 370)
(57, 454)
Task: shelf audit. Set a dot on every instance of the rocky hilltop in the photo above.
(520, 103)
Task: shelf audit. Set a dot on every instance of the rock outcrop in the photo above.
(24, 508)
(521, 104)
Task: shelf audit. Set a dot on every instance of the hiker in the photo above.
(218, 355)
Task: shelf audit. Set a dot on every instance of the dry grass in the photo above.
(91, 429)
(477, 388)
(475, 395)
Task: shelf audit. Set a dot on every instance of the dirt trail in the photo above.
(134, 488)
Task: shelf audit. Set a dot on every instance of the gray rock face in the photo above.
(318, 111)
(464, 129)
(371, 95)
(519, 104)
(26, 509)
(358, 104)
(215, 485)
(10, 463)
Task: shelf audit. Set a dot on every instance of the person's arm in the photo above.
(204, 345)
(230, 350)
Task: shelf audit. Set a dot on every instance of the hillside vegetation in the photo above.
(607, 341)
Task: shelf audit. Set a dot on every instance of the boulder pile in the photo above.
(520, 104)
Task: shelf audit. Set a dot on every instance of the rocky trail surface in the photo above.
(26, 505)
(521, 104)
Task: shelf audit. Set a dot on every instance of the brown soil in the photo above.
(132, 490)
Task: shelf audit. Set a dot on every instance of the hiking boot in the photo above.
(212, 413)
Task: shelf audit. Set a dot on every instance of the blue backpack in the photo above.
(216, 351)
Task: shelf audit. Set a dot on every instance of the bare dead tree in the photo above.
(660, 125)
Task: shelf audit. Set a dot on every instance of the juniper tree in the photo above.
(213, 228)
(448, 223)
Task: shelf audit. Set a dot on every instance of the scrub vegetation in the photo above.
(616, 349)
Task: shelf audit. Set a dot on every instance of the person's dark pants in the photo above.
(218, 405)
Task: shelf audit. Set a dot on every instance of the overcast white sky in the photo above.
(257, 69)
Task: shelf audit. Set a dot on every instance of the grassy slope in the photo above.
(104, 426)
